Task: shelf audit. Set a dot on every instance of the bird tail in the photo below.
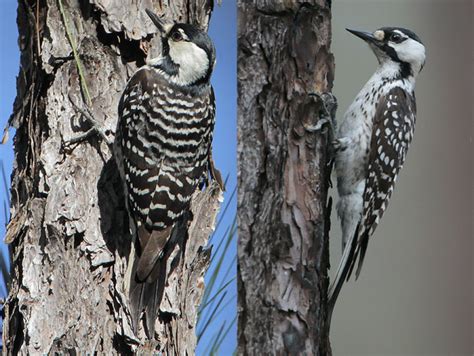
(148, 277)
(343, 270)
(146, 296)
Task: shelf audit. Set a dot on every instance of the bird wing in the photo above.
(139, 171)
(152, 143)
(213, 171)
(392, 133)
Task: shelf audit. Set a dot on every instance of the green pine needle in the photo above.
(216, 296)
(72, 42)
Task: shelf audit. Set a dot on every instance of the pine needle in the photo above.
(5, 135)
(72, 42)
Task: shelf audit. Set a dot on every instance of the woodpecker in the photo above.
(372, 142)
(163, 151)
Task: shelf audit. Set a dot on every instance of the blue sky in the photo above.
(222, 30)
(9, 62)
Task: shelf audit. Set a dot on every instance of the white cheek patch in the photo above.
(412, 52)
(379, 35)
(192, 60)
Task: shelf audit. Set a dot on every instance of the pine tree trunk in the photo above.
(283, 214)
(69, 230)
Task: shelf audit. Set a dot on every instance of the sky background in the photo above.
(9, 62)
(222, 30)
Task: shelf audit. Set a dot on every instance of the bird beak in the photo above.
(366, 36)
(164, 27)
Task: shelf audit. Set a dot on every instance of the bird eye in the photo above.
(177, 36)
(396, 38)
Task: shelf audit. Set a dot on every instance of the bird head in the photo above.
(396, 45)
(188, 54)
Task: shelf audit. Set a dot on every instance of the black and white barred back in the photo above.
(164, 136)
(162, 147)
(163, 151)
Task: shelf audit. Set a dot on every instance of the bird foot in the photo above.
(340, 144)
(94, 129)
(327, 118)
(327, 114)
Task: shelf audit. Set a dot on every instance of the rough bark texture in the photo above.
(69, 229)
(283, 177)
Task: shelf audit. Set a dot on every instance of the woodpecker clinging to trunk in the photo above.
(163, 151)
(372, 142)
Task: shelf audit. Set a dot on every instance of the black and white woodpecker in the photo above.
(372, 142)
(163, 150)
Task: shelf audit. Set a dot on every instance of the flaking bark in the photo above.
(283, 177)
(69, 228)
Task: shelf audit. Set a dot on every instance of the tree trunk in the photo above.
(283, 214)
(68, 229)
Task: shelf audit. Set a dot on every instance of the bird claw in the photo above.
(328, 101)
(340, 144)
(329, 104)
(327, 114)
(73, 142)
(94, 130)
(318, 126)
(336, 145)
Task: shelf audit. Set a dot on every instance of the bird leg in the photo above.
(327, 114)
(327, 117)
(94, 130)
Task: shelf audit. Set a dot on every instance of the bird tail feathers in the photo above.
(148, 277)
(146, 297)
(343, 270)
(149, 271)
